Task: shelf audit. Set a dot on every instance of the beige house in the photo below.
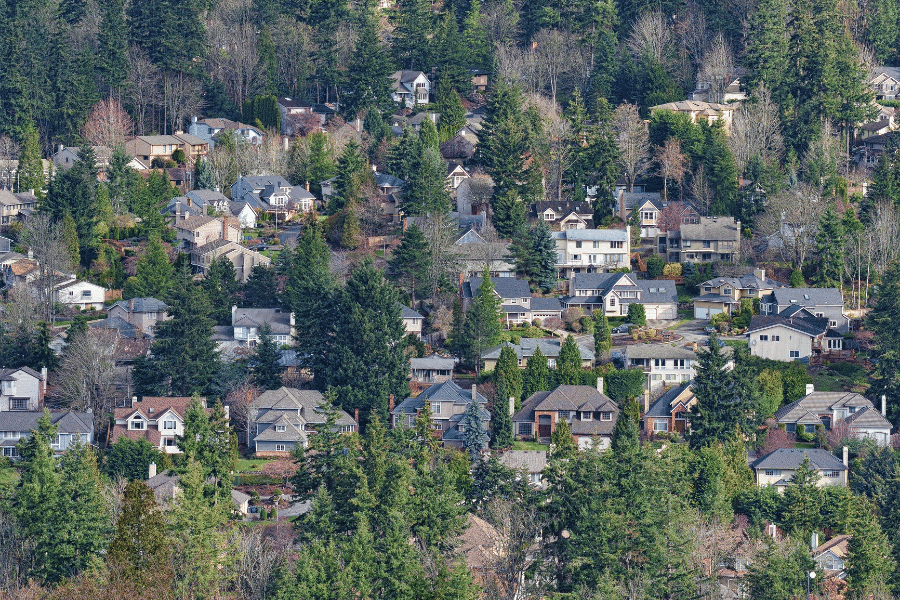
(13, 206)
(825, 410)
(526, 348)
(147, 147)
(432, 369)
(142, 313)
(199, 230)
(412, 321)
(446, 402)
(158, 420)
(592, 250)
(242, 258)
(712, 239)
(700, 111)
(789, 338)
(613, 292)
(590, 414)
(724, 294)
(779, 467)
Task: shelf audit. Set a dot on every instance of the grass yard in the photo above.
(736, 343)
(8, 478)
(529, 446)
(840, 377)
(246, 465)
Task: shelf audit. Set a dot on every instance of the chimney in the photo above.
(646, 401)
(773, 530)
(390, 403)
(151, 473)
(814, 541)
(883, 405)
(474, 393)
(760, 274)
(233, 312)
(512, 406)
(30, 254)
(846, 457)
(600, 384)
(131, 305)
(810, 388)
(356, 415)
(307, 186)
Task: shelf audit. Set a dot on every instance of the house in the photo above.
(243, 212)
(700, 111)
(823, 303)
(297, 115)
(208, 129)
(778, 467)
(526, 348)
(825, 410)
(590, 413)
(473, 195)
(514, 294)
(831, 556)
(481, 549)
(670, 412)
(530, 463)
(81, 294)
(72, 427)
(158, 420)
(16, 206)
(479, 78)
(246, 324)
(140, 314)
(273, 193)
(613, 292)
(473, 254)
(66, 156)
(22, 389)
(20, 272)
(242, 258)
(387, 185)
(564, 215)
(456, 174)
(200, 230)
(591, 250)
(868, 152)
(148, 147)
(712, 239)
(790, 337)
(723, 88)
(649, 206)
(447, 402)
(873, 128)
(664, 364)
(724, 294)
(412, 321)
(410, 88)
(884, 82)
(167, 487)
(283, 419)
(432, 369)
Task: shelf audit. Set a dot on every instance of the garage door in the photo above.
(702, 312)
(651, 312)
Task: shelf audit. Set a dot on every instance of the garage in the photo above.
(706, 312)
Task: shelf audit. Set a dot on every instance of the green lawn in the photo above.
(245, 465)
(736, 343)
(529, 446)
(8, 478)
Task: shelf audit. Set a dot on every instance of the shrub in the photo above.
(672, 270)
(536, 322)
(797, 280)
(179, 157)
(262, 514)
(571, 315)
(274, 515)
(637, 314)
(655, 266)
(719, 318)
(587, 324)
(553, 323)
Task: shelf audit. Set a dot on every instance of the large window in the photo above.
(435, 408)
(563, 414)
(832, 474)
(280, 448)
(168, 424)
(525, 428)
(606, 416)
(616, 245)
(773, 472)
(137, 424)
(660, 425)
(18, 403)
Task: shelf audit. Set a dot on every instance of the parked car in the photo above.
(624, 328)
(709, 329)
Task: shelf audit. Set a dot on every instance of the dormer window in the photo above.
(137, 424)
(587, 416)
(727, 291)
(606, 416)
(279, 428)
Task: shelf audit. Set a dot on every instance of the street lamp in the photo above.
(809, 577)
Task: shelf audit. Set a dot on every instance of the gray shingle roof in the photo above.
(657, 291)
(68, 421)
(818, 403)
(305, 402)
(598, 281)
(552, 303)
(408, 313)
(581, 398)
(711, 228)
(142, 305)
(530, 461)
(550, 348)
(448, 390)
(808, 296)
(744, 282)
(659, 351)
(791, 458)
(662, 406)
(868, 417)
(812, 327)
(433, 362)
(279, 321)
(630, 199)
(506, 287)
(591, 235)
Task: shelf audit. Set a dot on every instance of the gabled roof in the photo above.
(194, 223)
(659, 351)
(385, 180)
(530, 461)
(446, 391)
(657, 291)
(711, 228)
(408, 313)
(601, 281)
(838, 545)
(307, 402)
(562, 208)
(868, 418)
(526, 347)
(744, 282)
(810, 327)
(141, 305)
(662, 407)
(505, 287)
(631, 199)
(68, 421)
(582, 398)
(433, 362)
(591, 235)
(808, 296)
(692, 106)
(7, 374)
(791, 458)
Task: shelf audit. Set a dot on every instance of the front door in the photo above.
(544, 426)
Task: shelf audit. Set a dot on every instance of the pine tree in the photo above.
(507, 369)
(475, 38)
(368, 72)
(508, 214)
(153, 273)
(501, 424)
(453, 115)
(259, 291)
(565, 446)
(637, 314)
(602, 333)
(801, 510)
(475, 436)
(780, 572)
(829, 248)
(713, 417)
(504, 139)
(208, 439)
(411, 262)
(112, 44)
(543, 257)
(265, 372)
(352, 173)
(74, 191)
(31, 168)
(426, 192)
(39, 480)
(220, 286)
(882, 322)
(70, 235)
(139, 551)
(411, 34)
(536, 377)
(456, 340)
(483, 321)
(869, 561)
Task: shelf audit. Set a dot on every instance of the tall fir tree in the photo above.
(153, 274)
(31, 167)
(482, 325)
(368, 72)
(112, 44)
(501, 423)
(449, 106)
(220, 286)
(139, 549)
(715, 415)
(537, 376)
(602, 333)
(411, 262)
(882, 322)
(475, 436)
(568, 365)
(508, 371)
(265, 372)
(828, 248)
(543, 253)
(413, 28)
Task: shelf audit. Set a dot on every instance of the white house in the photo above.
(613, 292)
(592, 250)
(22, 389)
(663, 364)
(83, 294)
(207, 129)
(410, 87)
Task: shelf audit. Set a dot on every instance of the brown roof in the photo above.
(151, 435)
(838, 545)
(477, 544)
(194, 223)
(21, 267)
(159, 405)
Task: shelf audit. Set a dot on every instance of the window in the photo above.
(648, 216)
(795, 354)
(659, 362)
(168, 424)
(280, 448)
(832, 563)
(435, 408)
(832, 474)
(834, 344)
(686, 243)
(279, 428)
(612, 301)
(576, 257)
(587, 415)
(773, 472)
(671, 377)
(660, 425)
(439, 427)
(832, 323)
(346, 428)
(615, 245)
(790, 427)
(86, 293)
(707, 289)
(764, 338)
(727, 291)
(679, 363)
(563, 414)
(525, 428)
(578, 244)
(606, 416)
(10, 452)
(596, 244)
(18, 404)
(534, 478)
(137, 424)
(776, 338)
(707, 244)
(170, 442)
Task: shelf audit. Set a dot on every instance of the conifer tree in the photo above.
(715, 415)
(869, 561)
(39, 480)
(568, 365)
(31, 168)
(501, 424)
(153, 273)
(220, 286)
(564, 443)
(265, 372)
(882, 321)
(259, 291)
(139, 551)
(602, 333)
(828, 248)
(368, 72)
(482, 325)
(426, 192)
(801, 510)
(410, 262)
(112, 44)
(508, 371)
(475, 436)
(453, 115)
(208, 439)
(411, 34)
(536, 377)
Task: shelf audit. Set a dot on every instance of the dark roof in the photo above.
(716, 298)
(562, 208)
(448, 390)
(408, 313)
(808, 296)
(384, 180)
(126, 329)
(506, 287)
(552, 303)
(550, 348)
(791, 458)
(662, 406)
(596, 281)
(68, 421)
(142, 305)
(7, 374)
(657, 290)
(811, 327)
(632, 199)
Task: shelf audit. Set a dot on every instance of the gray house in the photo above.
(823, 303)
(447, 402)
(526, 348)
(22, 389)
(71, 426)
(282, 419)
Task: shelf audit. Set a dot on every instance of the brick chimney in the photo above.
(390, 403)
(356, 415)
(474, 393)
(600, 384)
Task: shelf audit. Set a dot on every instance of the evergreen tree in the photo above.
(565, 446)
(74, 191)
(483, 321)
(637, 314)
(139, 551)
(475, 39)
(428, 136)
(259, 291)
(602, 333)
(220, 286)
(869, 561)
(369, 71)
(780, 573)
(801, 511)
(536, 377)
(153, 274)
(208, 439)
(475, 436)
(449, 106)
(426, 192)
(264, 368)
(882, 322)
(411, 33)
(828, 248)
(508, 214)
(112, 44)
(39, 482)
(411, 262)
(720, 406)
(508, 371)
(402, 154)
(183, 350)
(501, 423)
(456, 342)
(31, 168)
(351, 174)
(543, 257)
(131, 459)
(568, 365)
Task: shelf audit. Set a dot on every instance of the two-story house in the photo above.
(447, 403)
(699, 111)
(885, 82)
(664, 365)
(412, 320)
(793, 335)
(243, 259)
(591, 415)
(284, 419)
(80, 294)
(779, 467)
(22, 389)
(432, 369)
(514, 294)
(613, 292)
(71, 427)
(147, 147)
(157, 420)
(410, 88)
(246, 324)
(208, 129)
(592, 250)
(827, 409)
(649, 206)
(273, 193)
(14, 206)
(66, 156)
(526, 348)
(670, 412)
(822, 303)
(724, 294)
(564, 215)
(298, 117)
(712, 239)
(142, 313)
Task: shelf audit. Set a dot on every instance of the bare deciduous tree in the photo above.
(756, 130)
(238, 400)
(182, 98)
(791, 221)
(108, 124)
(256, 567)
(232, 32)
(46, 241)
(518, 542)
(86, 373)
(500, 21)
(23, 311)
(692, 31)
(671, 164)
(141, 86)
(9, 157)
(701, 191)
(651, 37)
(293, 48)
(633, 142)
(718, 67)
(555, 54)
(441, 232)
